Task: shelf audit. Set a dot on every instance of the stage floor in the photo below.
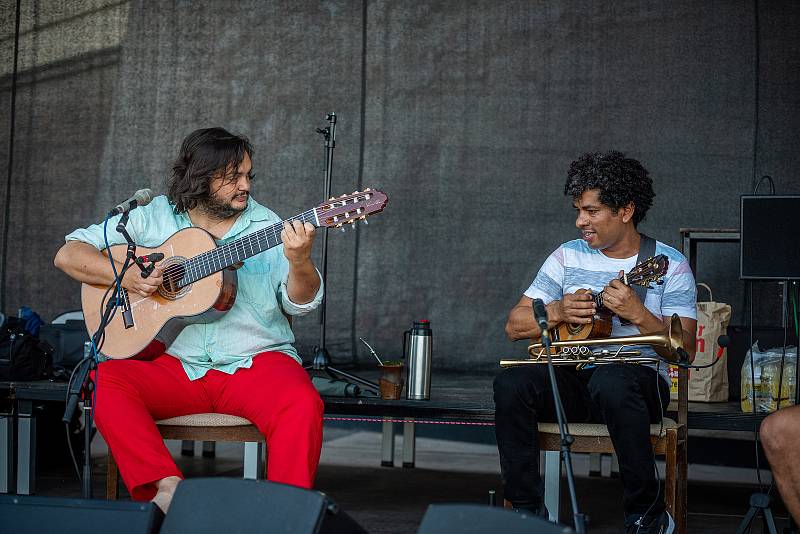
(393, 500)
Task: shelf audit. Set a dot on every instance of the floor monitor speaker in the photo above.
(26, 514)
(477, 519)
(226, 505)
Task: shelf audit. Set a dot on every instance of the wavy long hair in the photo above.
(204, 154)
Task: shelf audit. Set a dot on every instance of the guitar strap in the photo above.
(647, 249)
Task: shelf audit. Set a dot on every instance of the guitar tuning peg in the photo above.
(332, 198)
(354, 193)
(367, 189)
(365, 219)
(660, 282)
(341, 228)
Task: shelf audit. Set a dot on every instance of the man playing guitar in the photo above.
(611, 195)
(242, 364)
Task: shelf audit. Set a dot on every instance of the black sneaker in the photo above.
(661, 524)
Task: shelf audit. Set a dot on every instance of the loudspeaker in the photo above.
(226, 505)
(476, 519)
(769, 237)
(22, 514)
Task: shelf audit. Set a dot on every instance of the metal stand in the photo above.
(82, 382)
(566, 439)
(759, 504)
(322, 359)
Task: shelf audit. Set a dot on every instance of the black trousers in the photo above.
(628, 398)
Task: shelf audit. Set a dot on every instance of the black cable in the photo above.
(753, 390)
(655, 465)
(96, 346)
(361, 143)
(12, 123)
(72, 454)
(84, 361)
(785, 314)
(756, 74)
(768, 178)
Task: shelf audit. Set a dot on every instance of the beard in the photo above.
(220, 210)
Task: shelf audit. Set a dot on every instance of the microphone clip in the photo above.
(152, 259)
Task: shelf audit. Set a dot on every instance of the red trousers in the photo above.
(275, 394)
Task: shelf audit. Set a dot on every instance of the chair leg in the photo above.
(681, 509)
(552, 482)
(112, 478)
(252, 459)
(670, 471)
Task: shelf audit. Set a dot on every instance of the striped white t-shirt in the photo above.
(574, 265)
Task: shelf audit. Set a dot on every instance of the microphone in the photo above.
(540, 315)
(140, 198)
(150, 258)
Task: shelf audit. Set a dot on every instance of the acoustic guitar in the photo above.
(200, 277)
(644, 274)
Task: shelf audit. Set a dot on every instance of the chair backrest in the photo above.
(214, 505)
(476, 519)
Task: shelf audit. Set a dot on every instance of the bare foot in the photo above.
(166, 489)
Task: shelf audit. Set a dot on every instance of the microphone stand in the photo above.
(566, 439)
(322, 359)
(82, 382)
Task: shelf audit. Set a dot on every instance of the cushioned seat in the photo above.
(203, 427)
(599, 429)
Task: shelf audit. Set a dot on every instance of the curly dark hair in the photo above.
(620, 180)
(204, 154)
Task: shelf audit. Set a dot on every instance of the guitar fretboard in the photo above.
(240, 249)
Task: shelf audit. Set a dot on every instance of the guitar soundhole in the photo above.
(574, 329)
(174, 271)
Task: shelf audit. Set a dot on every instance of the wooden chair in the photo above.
(593, 438)
(204, 427)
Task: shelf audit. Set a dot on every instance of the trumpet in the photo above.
(667, 344)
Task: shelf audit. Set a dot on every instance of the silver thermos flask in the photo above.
(418, 350)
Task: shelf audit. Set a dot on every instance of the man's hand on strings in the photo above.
(144, 287)
(623, 301)
(297, 239)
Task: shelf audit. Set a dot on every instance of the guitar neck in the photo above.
(240, 249)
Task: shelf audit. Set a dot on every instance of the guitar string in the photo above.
(211, 258)
(631, 274)
(198, 266)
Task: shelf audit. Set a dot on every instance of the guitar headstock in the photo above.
(357, 206)
(649, 271)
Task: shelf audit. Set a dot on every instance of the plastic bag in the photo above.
(769, 387)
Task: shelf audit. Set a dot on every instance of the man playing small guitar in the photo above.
(611, 195)
(241, 364)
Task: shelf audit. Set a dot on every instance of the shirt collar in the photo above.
(253, 212)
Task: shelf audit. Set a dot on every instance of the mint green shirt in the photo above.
(255, 323)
